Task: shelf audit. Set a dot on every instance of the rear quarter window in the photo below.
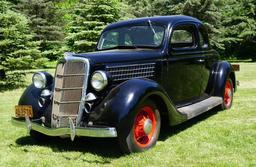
(183, 37)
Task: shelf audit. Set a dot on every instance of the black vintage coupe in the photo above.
(145, 72)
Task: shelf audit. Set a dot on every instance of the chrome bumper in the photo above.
(72, 130)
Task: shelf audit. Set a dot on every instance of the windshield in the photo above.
(130, 37)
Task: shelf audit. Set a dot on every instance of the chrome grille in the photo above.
(125, 72)
(70, 87)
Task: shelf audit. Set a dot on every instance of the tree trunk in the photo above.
(2, 74)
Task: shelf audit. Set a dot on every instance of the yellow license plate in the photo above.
(23, 111)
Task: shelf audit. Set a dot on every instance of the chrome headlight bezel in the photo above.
(42, 80)
(39, 80)
(99, 80)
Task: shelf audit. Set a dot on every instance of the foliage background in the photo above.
(35, 31)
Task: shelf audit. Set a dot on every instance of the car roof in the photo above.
(165, 20)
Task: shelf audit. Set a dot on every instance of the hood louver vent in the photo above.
(125, 72)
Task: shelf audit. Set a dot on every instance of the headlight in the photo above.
(99, 80)
(42, 79)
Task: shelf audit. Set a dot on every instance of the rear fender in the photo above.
(219, 74)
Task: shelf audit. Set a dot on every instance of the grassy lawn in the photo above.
(212, 139)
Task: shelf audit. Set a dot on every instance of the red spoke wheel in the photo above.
(145, 129)
(228, 94)
(144, 126)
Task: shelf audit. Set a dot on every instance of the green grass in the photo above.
(212, 139)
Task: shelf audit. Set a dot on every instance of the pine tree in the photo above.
(47, 23)
(167, 7)
(141, 8)
(89, 18)
(205, 10)
(239, 20)
(17, 50)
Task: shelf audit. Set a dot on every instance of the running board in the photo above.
(198, 108)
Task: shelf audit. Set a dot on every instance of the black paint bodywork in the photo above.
(182, 77)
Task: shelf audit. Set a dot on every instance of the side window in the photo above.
(158, 37)
(127, 40)
(203, 38)
(110, 40)
(183, 37)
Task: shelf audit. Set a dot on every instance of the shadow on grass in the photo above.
(167, 132)
(104, 147)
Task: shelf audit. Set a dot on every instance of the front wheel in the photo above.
(227, 95)
(144, 132)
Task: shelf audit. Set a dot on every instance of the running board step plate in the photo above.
(200, 107)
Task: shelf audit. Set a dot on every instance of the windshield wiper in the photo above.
(152, 28)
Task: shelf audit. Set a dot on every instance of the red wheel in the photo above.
(228, 95)
(144, 131)
(144, 126)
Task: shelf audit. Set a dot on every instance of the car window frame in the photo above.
(138, 24)
(203, 31)
(195, 47)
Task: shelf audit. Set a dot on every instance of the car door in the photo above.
(183, 81)
(208, 56)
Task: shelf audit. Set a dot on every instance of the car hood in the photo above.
(120, 56)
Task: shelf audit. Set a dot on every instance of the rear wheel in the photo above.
(227, 95)
(145, 129)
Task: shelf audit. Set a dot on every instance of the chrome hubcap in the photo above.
(229, 93)
(147, 126)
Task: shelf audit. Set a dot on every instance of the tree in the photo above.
(47, 24)
(141, 8)
(89, 18)
(17, 50)
(239, 20)
(205, 10)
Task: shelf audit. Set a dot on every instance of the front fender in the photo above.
(31, 96)
(120, 104)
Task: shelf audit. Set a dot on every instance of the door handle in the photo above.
(200, 61)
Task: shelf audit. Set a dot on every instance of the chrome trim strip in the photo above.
(129, 65)
(68, 75)
(28, 124)
(126, 78)
(135, 73)
(70, 57)
(73, 88)
(66, 102)
(87, 131)
(85, 84)
(72, 129)
(112, 69)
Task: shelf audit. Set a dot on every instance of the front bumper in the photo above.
(72, 130)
